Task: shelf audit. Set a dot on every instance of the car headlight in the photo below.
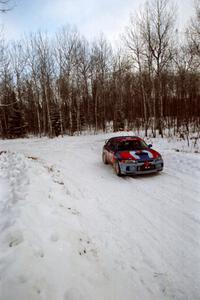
(158, 158)
(128, 161)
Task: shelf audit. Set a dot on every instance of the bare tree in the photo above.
(34, 79)
(18, 62)
(193, 33)
(136, 49)
(66, 55)
(5, 6)
(149, 38)
(101, 55)
(45, 65)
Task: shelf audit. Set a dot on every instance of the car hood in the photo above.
(146, 154)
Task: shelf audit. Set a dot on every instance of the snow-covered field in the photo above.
(71, 229)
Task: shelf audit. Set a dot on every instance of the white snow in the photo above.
(71, 229)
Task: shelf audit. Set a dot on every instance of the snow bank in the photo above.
(41, 240)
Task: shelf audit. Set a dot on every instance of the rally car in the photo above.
(130, 155)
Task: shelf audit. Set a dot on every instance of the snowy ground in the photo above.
(71, 229)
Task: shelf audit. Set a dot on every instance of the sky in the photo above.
(91, 17)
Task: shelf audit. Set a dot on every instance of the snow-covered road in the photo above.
(71, 229)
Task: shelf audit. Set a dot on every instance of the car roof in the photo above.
(124, 138)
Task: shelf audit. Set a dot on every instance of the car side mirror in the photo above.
(150, 145)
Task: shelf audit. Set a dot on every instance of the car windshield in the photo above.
(132, 145)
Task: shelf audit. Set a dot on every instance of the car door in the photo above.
(110, 151)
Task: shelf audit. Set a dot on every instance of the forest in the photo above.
(64, 84)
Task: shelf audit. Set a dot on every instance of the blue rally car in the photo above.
(130, 155)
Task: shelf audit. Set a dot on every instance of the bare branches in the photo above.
(66, 84)
(193, 32)
(5, 6)
(149, 39)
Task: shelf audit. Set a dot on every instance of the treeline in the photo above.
(62, 85)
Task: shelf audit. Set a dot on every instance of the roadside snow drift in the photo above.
(71, 229)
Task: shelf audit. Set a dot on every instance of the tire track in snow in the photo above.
(138, 208)
(13, 169)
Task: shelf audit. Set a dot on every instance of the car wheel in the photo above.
(104, 158)
(117, 169)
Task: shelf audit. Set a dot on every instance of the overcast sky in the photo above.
(90, 16)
